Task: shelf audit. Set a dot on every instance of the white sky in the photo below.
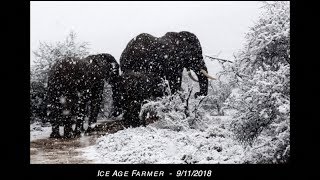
(109, 26)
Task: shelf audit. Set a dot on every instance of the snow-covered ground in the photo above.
(44, 150)
(39, 132)
(153, 144)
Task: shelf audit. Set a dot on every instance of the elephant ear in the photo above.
(191, 41)
(93, 69)
(187, 36)
(97, 60)
(174, 37)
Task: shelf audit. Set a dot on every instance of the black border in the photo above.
(16, 121)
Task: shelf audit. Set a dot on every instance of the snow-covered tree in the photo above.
(262, 97)
(45, 56)
(48, 53)
(179, 111)
(218, 93)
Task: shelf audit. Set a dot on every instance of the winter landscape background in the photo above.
(244, 119)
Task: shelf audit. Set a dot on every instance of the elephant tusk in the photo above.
(207, 75)
(191, 77)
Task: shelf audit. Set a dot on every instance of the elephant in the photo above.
(74, 91)
(134, 88)
(166, 57)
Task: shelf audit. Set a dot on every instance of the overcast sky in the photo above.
(109, 26)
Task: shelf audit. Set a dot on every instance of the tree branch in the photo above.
(187, 103)
(219, 59)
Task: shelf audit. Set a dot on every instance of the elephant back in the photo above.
(144, 53)
(101, 66)
(66, 73)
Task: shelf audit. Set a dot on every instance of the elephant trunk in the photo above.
(202, 78)
(114, 73)
(203, 83)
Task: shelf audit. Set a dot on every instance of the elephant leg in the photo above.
(96, 99)
(79, 126)
(173, 84)
(80, 118)
(116, 110)
(68, 132)
(55, 120)
(67, 113)
(117, 92)
(95, 107)
(67, 123)
(55, 131)
(131, 115)
(94, 111)
(175, 80)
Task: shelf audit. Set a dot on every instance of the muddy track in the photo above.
(64, 151)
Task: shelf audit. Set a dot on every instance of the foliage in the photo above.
(181, 111)
(218, 93)
(262, 100)
(177, 112)
(37, 102)
(48, 53)
(262, 97)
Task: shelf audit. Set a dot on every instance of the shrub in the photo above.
(262, 97)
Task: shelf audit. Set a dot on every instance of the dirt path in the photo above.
(58, 151)
(64, 151)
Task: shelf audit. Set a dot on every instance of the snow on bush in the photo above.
(184, 133)
(218, 93)
(271, 147)
(265, 101)
(177, 112)
(39, 130)
(48, 53)
(152, 144)
(262, 74)
(38, 104)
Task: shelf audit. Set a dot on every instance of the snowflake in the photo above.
(63, 100)
(65, 112)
